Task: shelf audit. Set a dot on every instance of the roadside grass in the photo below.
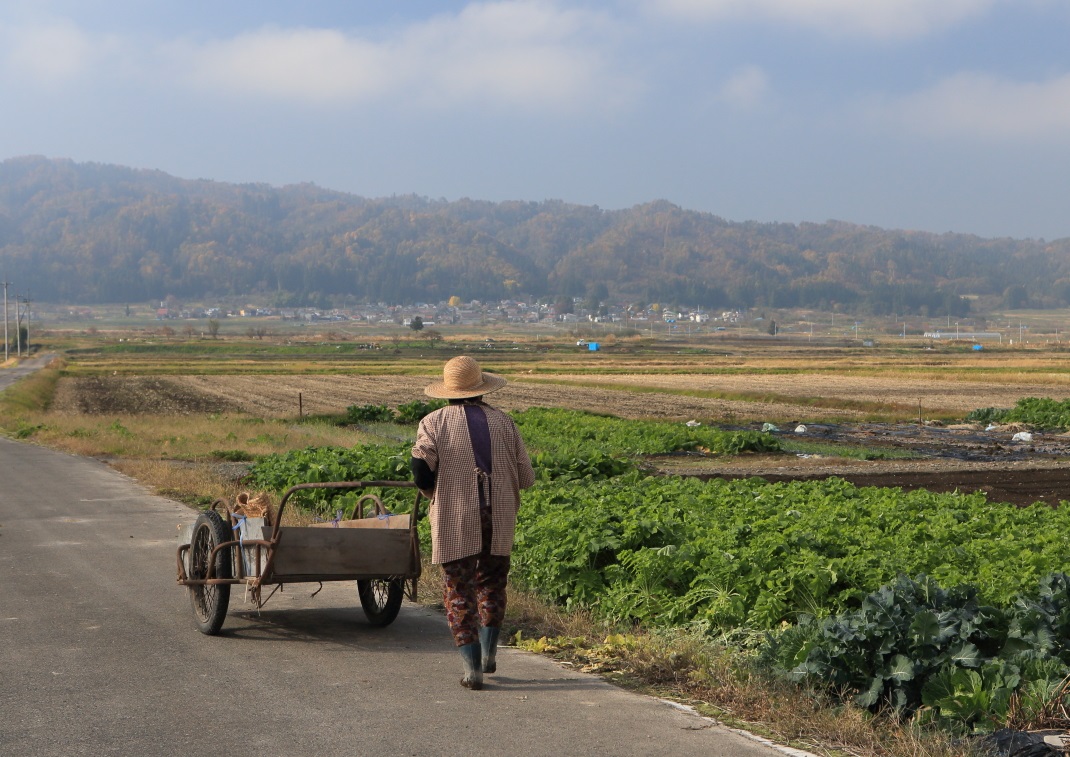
(178, 437)
(196, 486)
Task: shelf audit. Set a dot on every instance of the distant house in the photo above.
(973, 336)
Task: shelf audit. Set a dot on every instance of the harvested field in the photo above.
(950, 394)
(136, 395)
(278, 396)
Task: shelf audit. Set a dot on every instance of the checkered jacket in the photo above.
(443, 443)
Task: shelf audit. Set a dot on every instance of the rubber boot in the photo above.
(488, 640)
(473, 674)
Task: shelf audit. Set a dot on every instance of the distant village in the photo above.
(446, 314)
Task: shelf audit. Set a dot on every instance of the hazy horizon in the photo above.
(901, 114)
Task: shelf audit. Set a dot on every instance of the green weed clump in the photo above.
(232, 455)
(987, 415)
(408, 413)
(369, 414)
(413, 412)
(1039, 412)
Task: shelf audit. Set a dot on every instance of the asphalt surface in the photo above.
(99, 655)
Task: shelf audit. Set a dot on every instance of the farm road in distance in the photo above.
(100, 655)
(22, 369)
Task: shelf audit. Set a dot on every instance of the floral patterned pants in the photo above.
(474, 594)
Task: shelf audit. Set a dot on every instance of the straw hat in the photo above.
(461, 378)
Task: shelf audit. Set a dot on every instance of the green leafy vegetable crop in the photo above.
(576, 433)
(665, 551)
(913, 645)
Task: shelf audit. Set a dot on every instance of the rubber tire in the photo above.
(209, 603)
(381, 600)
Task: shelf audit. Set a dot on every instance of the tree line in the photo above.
(85, 233)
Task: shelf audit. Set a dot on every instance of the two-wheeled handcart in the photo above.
(377, 549)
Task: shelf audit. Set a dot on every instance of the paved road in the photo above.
(98, 654)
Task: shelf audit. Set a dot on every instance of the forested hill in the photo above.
(81, 233)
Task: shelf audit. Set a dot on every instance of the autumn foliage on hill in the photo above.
(74, 233)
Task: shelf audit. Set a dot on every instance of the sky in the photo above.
(932, 115)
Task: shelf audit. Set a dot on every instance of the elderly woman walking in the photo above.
(470, 461)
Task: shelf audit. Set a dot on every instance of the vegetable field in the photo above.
(670, 551)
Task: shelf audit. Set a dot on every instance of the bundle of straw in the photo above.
(253, 505)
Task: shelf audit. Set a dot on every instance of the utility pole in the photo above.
(18, 328)
(26, 300)
(7, 342)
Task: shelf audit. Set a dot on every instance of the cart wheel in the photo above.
(381, 600)
(209, 602)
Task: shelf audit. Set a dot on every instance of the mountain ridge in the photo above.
(90, 232)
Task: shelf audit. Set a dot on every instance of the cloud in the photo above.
(48, 54)
(983, 106)
(871, 18)
(523, 53)
(746, 88)
(307, 64)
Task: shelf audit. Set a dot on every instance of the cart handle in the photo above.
(378, 507)
(344, 485)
